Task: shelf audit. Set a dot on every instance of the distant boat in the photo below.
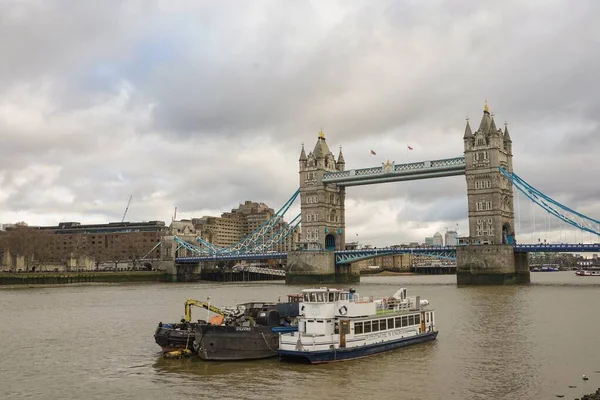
(545, 268)
(585, 272)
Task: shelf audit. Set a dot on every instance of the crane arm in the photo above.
(191, 302)
(126, 208)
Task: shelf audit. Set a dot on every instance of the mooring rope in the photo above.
(267, 343)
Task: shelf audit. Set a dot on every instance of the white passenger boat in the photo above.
(337, 325)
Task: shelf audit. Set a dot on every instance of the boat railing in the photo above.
(357, 299)
(394, 306)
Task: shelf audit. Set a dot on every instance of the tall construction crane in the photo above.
(126, 208)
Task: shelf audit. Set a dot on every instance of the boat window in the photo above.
(337, 296)
(427, 317)
(346, 327)
(375, 326)
(358, 328)
(343, 296)
(390, 323)
(398, 322)
(320, 297)
(331, 296)
(313, 297)
(306, 298)
(411, 319)
(320, 321)
(404, 321)
(336, 329)
(382, 325)
(367, 326)
(417, 319)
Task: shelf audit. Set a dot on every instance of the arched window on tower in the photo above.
(333, 216)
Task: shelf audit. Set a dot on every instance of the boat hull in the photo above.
(170, 339)
(235, 343)
(344, 354)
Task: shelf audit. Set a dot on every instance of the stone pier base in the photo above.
(318, 267)
(495, 264)
(169, 267)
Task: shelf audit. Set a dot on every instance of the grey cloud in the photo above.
(204, 105)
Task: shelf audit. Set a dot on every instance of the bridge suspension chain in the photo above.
(263, 230)
(279, 236)
(552, 206)
(268, 234)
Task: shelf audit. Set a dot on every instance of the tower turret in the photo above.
(468, 136)
(340, 161)
(507, 141)
(303, 159)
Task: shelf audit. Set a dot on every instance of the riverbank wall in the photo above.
(42, 278)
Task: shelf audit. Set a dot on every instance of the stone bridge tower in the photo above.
(490, 257)
(322, 205)
(489, 193)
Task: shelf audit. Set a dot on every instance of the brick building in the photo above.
(112, 242)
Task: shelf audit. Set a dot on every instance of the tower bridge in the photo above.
(490, 256)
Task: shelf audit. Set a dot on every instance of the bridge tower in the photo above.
(489, 193)
(323, 222)
(489, 258)
(322, 205)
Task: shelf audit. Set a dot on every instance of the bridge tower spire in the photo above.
(322, 205)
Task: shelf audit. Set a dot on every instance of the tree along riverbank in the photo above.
(59, 278)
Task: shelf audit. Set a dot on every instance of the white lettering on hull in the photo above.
(390, 334)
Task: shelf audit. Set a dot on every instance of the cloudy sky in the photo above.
(201, 105)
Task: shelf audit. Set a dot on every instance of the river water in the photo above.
(96, 342)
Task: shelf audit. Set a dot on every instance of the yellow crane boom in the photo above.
(191, 302)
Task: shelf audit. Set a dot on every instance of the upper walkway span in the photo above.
(391, 172)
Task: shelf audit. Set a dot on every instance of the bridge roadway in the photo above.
(349, 256)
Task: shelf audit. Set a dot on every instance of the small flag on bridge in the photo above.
(372, 152)
(410, 148)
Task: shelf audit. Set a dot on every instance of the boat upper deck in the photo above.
(326, 303)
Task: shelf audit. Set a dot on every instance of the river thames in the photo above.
(511, 342)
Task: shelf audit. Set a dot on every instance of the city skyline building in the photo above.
(451, 238)
(438, 239)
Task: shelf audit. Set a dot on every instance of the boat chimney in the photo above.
(418, 303)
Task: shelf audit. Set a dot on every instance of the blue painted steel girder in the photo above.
(232, 257)
(400, 172)
(558, 248)
(350, 256)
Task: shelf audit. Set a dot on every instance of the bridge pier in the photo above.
(188, 272)
(318, 267)
(494, 264)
